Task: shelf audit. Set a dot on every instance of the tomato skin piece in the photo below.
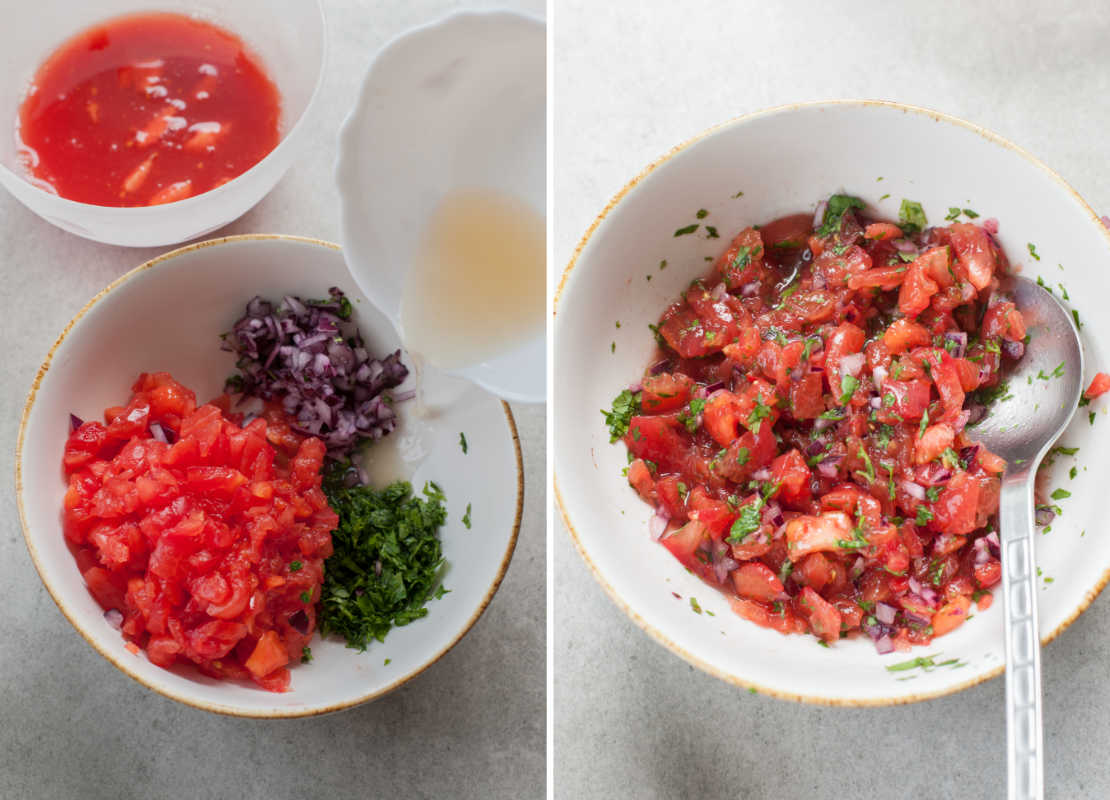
(951, 615)
(988, 574)
(911, 399)
(1100, 385)
(686, 542)
(665, 392)
(805, 396)
(640, 478)
(822, 616)
(715, 515)
(975, 253)
(756, 581)
(1003, 321)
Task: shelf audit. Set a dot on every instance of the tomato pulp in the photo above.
(806, 430)
(148, 109)
(204, 540)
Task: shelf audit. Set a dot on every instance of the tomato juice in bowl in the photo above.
(631, 265)
(284, 48)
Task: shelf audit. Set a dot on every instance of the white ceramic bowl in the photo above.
(784, 160)
(168, 315)
(459, 103)
(289, 37)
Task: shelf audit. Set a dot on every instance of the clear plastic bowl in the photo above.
(289, 37)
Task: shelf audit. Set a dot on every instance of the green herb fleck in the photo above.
(687, 230)
(306, 655)
(626, 405)
(462, 437)
(1060, 494)
(911, 217)
(837, 205)
(466, 517)
(848, 386)
(694, 605)
(1033, 251)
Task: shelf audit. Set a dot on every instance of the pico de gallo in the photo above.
(806, 431)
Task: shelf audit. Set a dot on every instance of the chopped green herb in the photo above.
(702, 213)
(626, 405)
(688, 229)
(387, 559)
(953, 214)
(712, 231)
(924, 515)
(1060, 494)
(835, 414)
(868, 473)
(837, 205)
(1075, 316)
(466, 517)
(306, 597)
(689, 415)
(306, 655)
(462, 436)
(1033, 251)
(748, 522)
(694, 605)
(911, 217)
(742, 455)
(848, 386)
(759, 413)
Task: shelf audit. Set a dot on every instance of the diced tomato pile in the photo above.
(203, 536)
(805, 432)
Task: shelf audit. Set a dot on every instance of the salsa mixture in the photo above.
(224, 535)
(806, 433)
(147, 109)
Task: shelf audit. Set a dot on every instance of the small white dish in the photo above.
(456, 104)
(288, 36)
(168, 314)
(783, 161)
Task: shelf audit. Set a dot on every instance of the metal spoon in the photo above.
(1044, 390)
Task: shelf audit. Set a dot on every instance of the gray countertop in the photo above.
(631, 719)
(72, 725)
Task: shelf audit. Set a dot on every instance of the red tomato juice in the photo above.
(147, 109)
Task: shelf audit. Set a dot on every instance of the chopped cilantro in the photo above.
(911, 217)
(466, 517)
(387, 559)
(742, 456)
(868, 474)
(759, 413)
(295, 566)
(748, 522)
(837, 205)
(923, 515)
(688, 229)
(702, 213)
(625, 406)
(1033, 251)
(694, 605)
(709, 229)
(689, 415)
(1060, 494)
(306, 655)
(848, 386)
(835, 414)
(462, 436)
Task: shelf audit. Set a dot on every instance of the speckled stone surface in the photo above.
(634, 721)
(73, 726)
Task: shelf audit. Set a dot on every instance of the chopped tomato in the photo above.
(1100, 385)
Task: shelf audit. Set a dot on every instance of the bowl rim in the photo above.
(229, 710)
(136, 213)
(655, 633)
(348, 144)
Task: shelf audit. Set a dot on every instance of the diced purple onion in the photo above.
(982, 550)
(819, 214)
(299, 621)
(992, 540)
(884, 613)
(959, 338)
(916, 619)
(815, 447)
(904, 245)
(713, 387)
(75, 422)
(819, 281)
(976, 413)
(914, 490)
(852, 364)
(750, 289)
(1043, 515)
(878, 375)
(114, 617)
(827, 468)
(772, 515)
(718, 292)
(635, 387)
(961, 420)
(932, 474)
(723, 563)
(763, 474)
(884, 645)
(967, 454)
(1014, 350)
(876, 402)
(158, 433)
(305, 355)
(660, 366)
(658, 524)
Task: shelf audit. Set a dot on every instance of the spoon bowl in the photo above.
(1043, 394)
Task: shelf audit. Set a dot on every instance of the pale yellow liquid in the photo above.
(476, 287)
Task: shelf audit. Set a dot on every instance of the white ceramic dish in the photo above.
(456, 104)
(167, 315)
(784, 160)
(289, 36)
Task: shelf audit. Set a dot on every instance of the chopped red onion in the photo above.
(158, 433)
(635, 387)
(713, 387)
(914, 490)
(815, 447)
(992, 540)
(750, 289)
(660, 366)
(990, 225)
(878, 375)
(852, 364)
(960, 340)
(967, 454)
(658, 524)
(114, 617)
(884, 645)
(819, 214)
(982, 551)
(1014, 350)
(876, 402)
(961, 420)
(904, 245)
(827, 468)
(884, 613)
(718, 292)
(857, 567)
(932, 474)
(1043, 515)
(819, 281)
(763, 474)
(916, 619)
(915, 585)
(772, 515)
(306, 354)
(723, 563)
(299, 621)
(75, 422)
(976, 413)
